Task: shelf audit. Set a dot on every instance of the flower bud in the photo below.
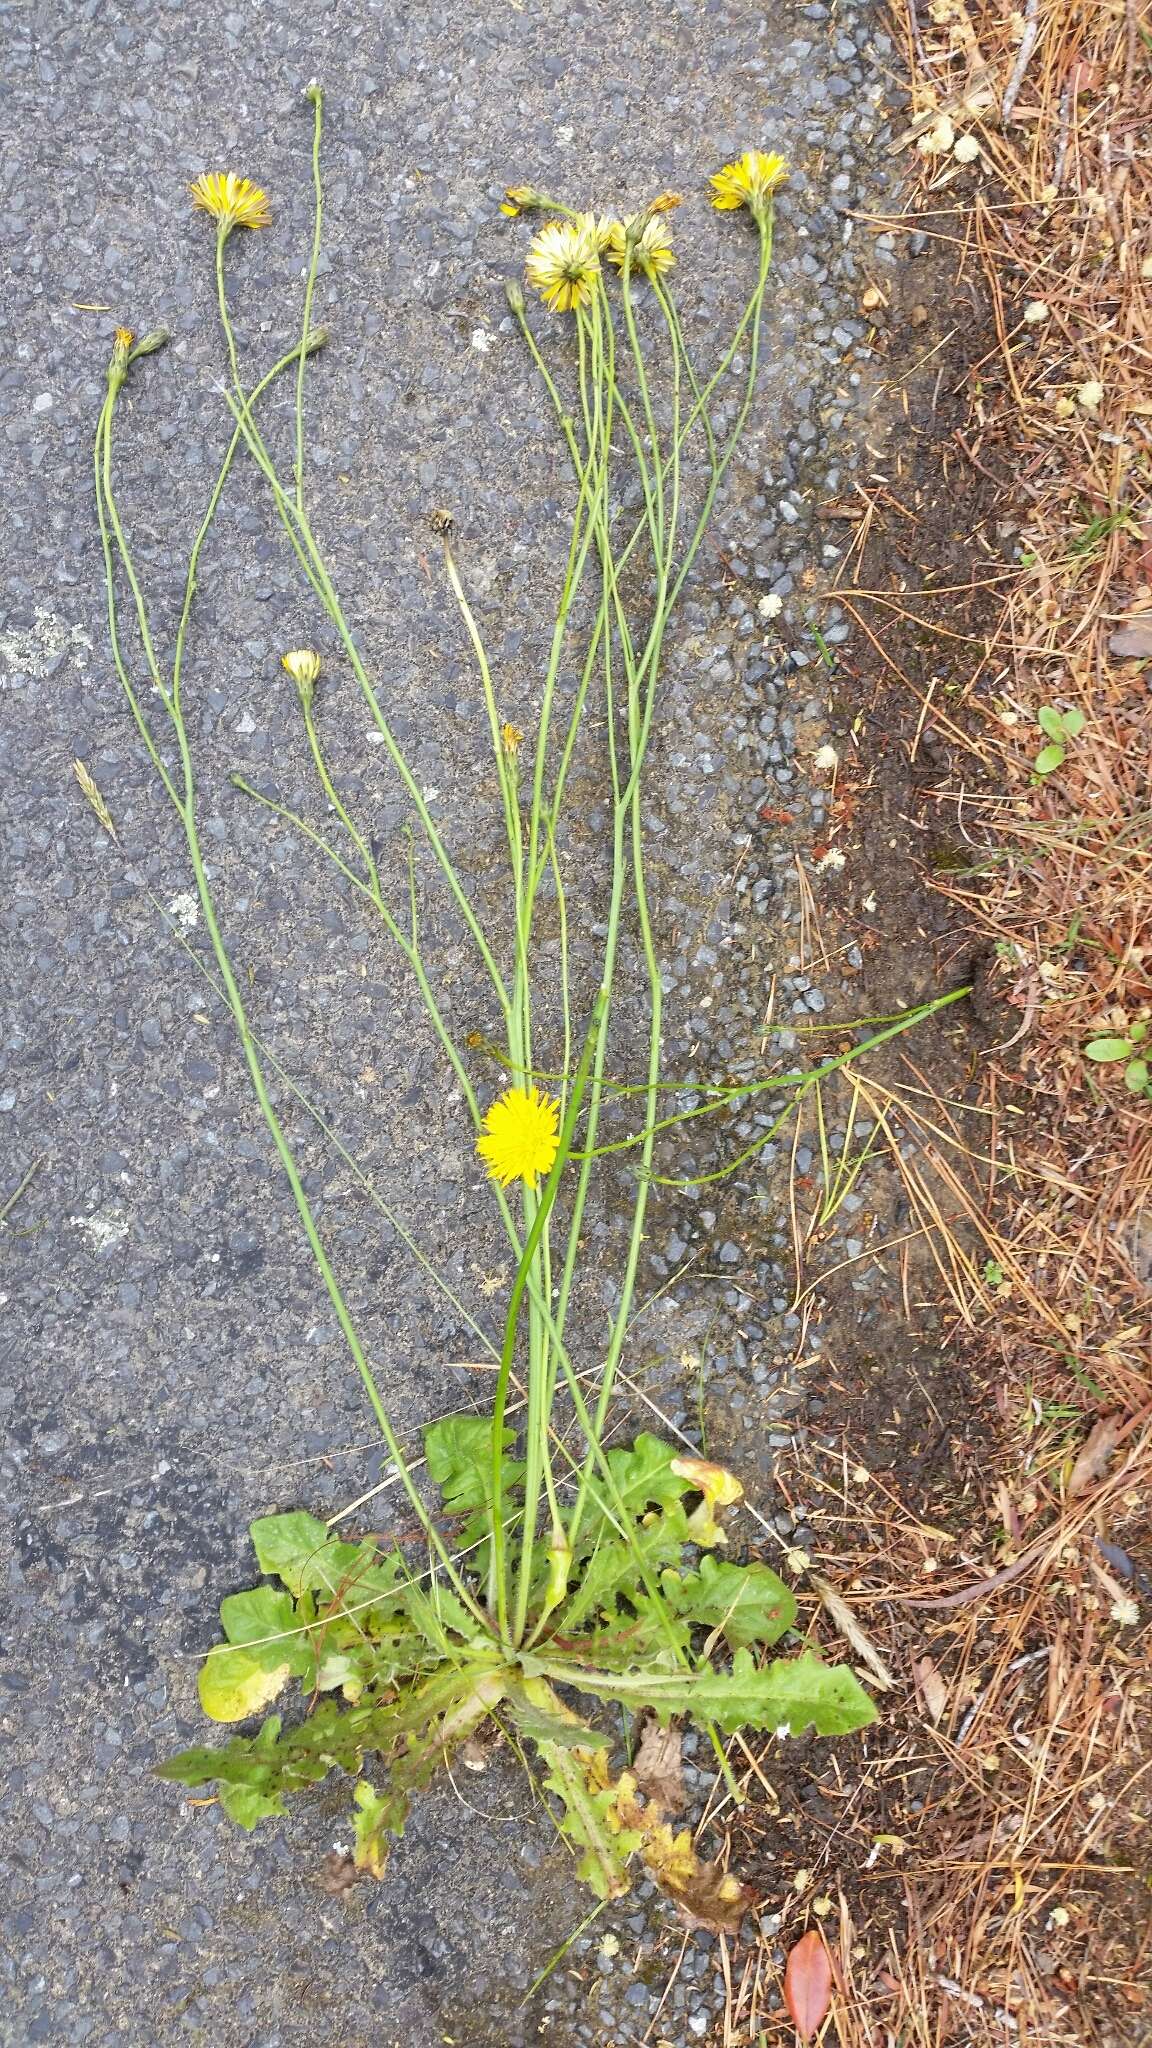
(156, 338)
(514, 293)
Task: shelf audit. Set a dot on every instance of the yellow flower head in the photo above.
(665, 202)
(651, 238)
(521, 1136)
(511, 738)
(564, 263)
(234, 202)
(123, 338)
(750, 182)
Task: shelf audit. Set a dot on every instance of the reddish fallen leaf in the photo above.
(1095, 1454)
(808, 1984)
(1132, 642)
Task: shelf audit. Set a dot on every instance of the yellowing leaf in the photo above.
(234, 1683)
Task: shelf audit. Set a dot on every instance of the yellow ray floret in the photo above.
(750, 181)
(652, 250)
(564, 263)
(521, 1136)
(234, 202)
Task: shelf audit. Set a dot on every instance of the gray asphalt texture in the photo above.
(171, 1367)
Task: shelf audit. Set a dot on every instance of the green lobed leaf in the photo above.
(262, 1612)
(644, 1478)
(458, 1449)
(285, 1546)
(1048, 760)
(746, 1602)
(1073, 722)
(298, 1550)
(1052, 723)
(613, 1569)
(792, 1692)
(541, 1726)
(248, 1806)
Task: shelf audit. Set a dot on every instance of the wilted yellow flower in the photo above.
(511, 738)
(520, 199)
(118, 364)
(304, 668)
(665, 202)
(234, 202)
(522, 1133)
(750, 182)
(652, 250)
(564, 263)
(720, 1488)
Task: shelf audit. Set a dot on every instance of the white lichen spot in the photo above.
(830, 863)
(105, 1228)
(770, 607)
(185, 910)
(28, 653)
(481, 340)
(825, 760)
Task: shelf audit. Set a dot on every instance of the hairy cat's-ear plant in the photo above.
(554, 1564)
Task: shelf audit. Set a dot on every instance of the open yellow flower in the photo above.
(750, 182)
(564, 263)
(652, 250)
(521, 1136)
(234, 202)
(303, 665)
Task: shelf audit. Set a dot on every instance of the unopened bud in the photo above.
(514, 293)
(154, 339)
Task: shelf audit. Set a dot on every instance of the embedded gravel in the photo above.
(170, 1365)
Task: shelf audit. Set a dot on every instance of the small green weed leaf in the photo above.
(1073, 723)
(285, 1546)
(378, 1814)
(746, 1602)
(1052, 723)
(993, 1272)
(1138, 1031)
(644, 1478)
(1048, 760)
(1136, 1076)
(1101, 1049)
(248, 1806)
(250, 1618)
